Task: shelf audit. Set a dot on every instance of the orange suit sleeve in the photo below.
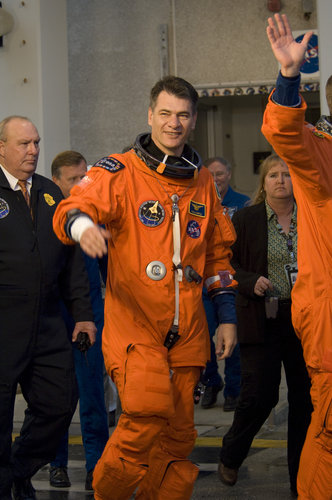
(98, 195)
(218, 269)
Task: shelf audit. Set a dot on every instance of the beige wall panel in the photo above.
(113, 62)
(225, 40)
(33, 69)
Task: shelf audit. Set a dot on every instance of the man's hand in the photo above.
(262, 285)
(226, 340)
(93, 241)
(85, 326)
(287, 51)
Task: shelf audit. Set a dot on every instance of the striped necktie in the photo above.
(25, 191)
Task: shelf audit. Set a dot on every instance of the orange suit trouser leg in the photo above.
(134, 445)
(170, 473)
(313, 325)
(314, 480)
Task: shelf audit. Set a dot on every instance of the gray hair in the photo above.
(219, 159)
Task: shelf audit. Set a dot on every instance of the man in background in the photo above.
(68, 168)
(37, 272)
(221, 170)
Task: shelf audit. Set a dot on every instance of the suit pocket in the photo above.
(147, 389)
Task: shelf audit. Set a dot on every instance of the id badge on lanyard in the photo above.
(291, 273)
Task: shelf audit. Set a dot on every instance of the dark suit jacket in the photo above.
(250, 262)
(36, 270)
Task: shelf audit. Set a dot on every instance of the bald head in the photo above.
(19, 146)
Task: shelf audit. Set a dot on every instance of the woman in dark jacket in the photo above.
(265, 262)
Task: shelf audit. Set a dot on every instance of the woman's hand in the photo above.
(262, 285)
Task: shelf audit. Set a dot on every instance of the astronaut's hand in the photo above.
(289, 53)
(226, 340)
(93, 241)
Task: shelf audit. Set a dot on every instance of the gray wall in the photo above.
(114, 60)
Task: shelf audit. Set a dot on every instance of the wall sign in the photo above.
(310, 66)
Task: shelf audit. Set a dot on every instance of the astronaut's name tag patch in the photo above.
(193, 229)
(197, 209)
(4, 208)
(151, 213)
(49, 199)
(111, 164)
(291, 273)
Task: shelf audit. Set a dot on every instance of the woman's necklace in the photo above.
(289, 237)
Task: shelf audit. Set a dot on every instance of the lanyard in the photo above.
(288, 237)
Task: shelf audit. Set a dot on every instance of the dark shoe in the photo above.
(230, 403)
(88, 481)
(23, 490)
(210, 395)
(111, 418)
(226, 475)
(59, 477)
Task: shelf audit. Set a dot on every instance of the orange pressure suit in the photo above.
(308, 154)
(156, 430)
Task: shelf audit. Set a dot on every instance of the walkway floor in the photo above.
(263, 475)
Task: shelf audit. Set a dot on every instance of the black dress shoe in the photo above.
(23, 490)
(59, 477)
(88, 481)
(226, 475)
(230, 403)
(210, 395)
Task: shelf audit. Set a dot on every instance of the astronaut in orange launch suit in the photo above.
(167, 233)
(307, 150)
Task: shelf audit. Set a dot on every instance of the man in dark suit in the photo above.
(36, 270)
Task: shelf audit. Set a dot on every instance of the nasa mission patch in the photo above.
(4, 208)
(151, 213)
(111, 164)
